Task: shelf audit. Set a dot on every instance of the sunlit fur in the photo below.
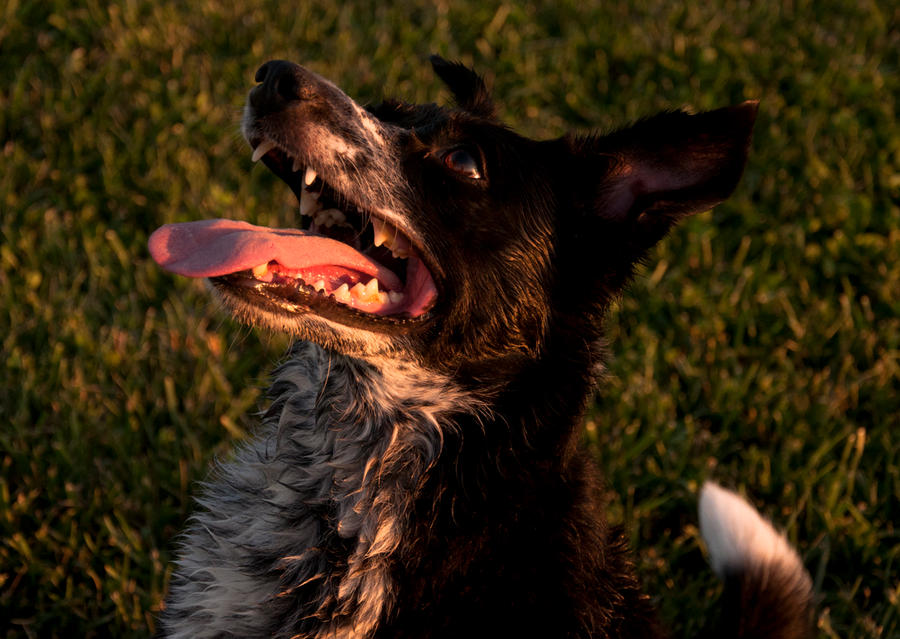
(423, 478)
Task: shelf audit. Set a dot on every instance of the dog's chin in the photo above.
(305, 324)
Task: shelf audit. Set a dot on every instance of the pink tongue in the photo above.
(217, 247)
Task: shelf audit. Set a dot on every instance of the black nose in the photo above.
(280, 82)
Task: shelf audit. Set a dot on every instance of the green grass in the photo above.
(761, 347)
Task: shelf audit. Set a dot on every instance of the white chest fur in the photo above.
(295, 534)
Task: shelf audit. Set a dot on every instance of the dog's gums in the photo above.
(384, 294)
(343, 256)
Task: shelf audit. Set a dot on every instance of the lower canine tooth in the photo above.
(260, 271)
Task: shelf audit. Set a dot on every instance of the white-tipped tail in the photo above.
(768, 593)
(737, 536)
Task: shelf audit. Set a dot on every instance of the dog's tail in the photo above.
(768, 593)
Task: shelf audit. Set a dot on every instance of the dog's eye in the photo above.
(462, 162)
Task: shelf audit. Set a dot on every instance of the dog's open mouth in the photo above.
(343, 260)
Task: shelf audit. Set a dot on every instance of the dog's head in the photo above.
(438, 233)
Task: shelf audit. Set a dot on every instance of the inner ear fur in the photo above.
(669, 166)
(468, 87)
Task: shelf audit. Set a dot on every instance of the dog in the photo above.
(417, 473)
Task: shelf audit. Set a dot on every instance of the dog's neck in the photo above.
(356, 440)
(369, 444)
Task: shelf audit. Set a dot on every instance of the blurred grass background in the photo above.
(759, 348)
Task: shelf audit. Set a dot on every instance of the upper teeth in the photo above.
(381, 232)
(267, 145)
(264, 147)
(329, 217)
(309, 202)
(389, 236)
(386, 234)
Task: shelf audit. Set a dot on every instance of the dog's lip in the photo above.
(291, 301)
(312, 265)
(310, 272)
(263, 141)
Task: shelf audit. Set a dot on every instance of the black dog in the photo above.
(417, 473)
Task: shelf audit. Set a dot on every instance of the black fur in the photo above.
(421, 476)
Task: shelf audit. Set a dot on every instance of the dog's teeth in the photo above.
(320, 285)
(310, 176)
(359, 290)
(308, 203)
(386, 234)
(264, 147)
(262, 272)
(297, 165)
(329, 217)
(399, 246)
(342, 294)
(395, 296)
(368, 293)
(381, 232)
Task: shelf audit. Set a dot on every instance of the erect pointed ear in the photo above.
(467, 86)
(669, 166)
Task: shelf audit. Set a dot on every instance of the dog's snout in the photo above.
(263, 72)
(280, 82)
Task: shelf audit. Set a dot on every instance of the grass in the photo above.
(761, 347)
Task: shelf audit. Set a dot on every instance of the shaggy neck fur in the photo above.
(375, 481)
(301, 526)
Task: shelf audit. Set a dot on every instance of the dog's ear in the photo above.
(467, 86)
(668, 166)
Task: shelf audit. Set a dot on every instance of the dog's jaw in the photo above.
(296, 118)
(372, 276)
(404, 454)
(334, 336)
